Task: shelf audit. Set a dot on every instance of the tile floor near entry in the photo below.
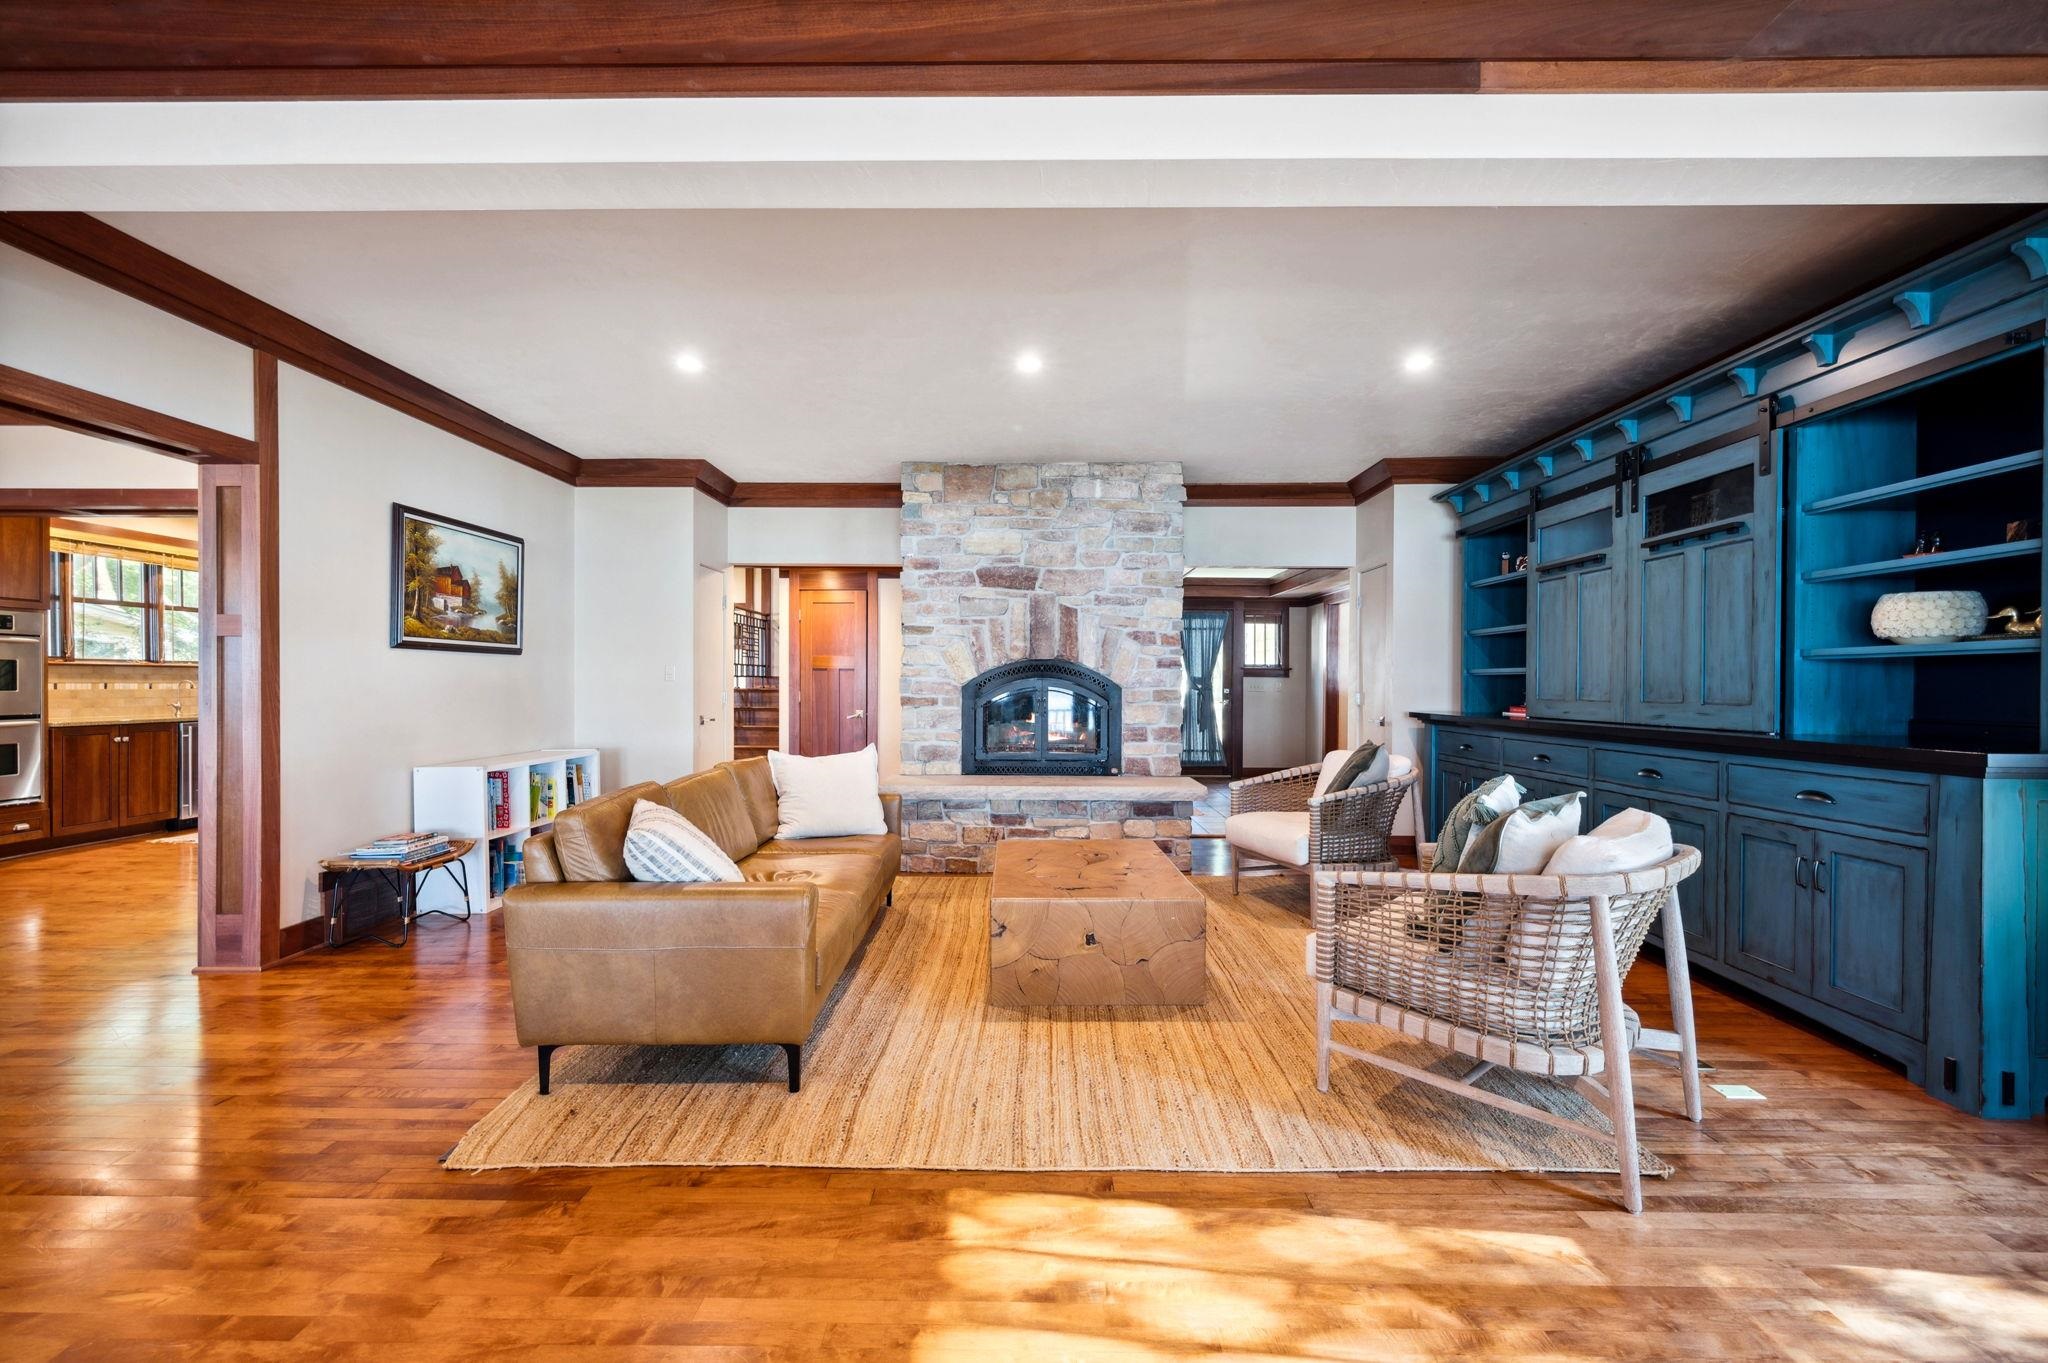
(1213, 808)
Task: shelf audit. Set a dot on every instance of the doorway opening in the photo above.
(1256, 670)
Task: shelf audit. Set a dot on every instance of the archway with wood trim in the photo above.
(239, 874)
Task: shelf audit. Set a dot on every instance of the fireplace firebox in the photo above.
(1041, 717)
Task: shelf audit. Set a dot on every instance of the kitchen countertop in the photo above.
(1958, 758)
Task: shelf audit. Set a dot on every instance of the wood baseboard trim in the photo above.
(296, 939)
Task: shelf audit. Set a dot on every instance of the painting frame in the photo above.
(401, 515)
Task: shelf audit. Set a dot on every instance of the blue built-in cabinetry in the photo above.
(1692, 635)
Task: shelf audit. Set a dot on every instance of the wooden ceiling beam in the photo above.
(100, 501)
(31, 399)
(106, 255)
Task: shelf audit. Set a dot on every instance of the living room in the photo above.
(1277, 681)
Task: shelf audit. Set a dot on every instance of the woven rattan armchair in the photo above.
(1518, 971)
(1345, 827)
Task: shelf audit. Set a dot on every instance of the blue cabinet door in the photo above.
(1703, 614)
(1577, 606)
(1870, 931)
(1768, 924)
(1699, 898)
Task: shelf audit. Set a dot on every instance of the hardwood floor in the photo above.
(243, 1168)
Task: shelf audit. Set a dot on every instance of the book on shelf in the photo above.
(1516, 712)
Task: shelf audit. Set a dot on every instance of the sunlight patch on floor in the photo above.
(1946, 1315)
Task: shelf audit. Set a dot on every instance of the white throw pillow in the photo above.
(662, 845)
(1632, 840)
(828, 797)
(1332, 764)
(1521, 841)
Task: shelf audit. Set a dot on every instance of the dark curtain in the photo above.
(1201, 643)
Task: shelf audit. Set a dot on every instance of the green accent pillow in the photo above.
(1491, 800)
(1355, 766)
(1482, 854)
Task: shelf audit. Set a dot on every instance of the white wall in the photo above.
(889, 675)
(358, 715)
(1417, 537)
(812, 536)
(63, 326)
(635, 581)
(48, 456)
(1270, 536)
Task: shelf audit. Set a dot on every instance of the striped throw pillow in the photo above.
(662, 845)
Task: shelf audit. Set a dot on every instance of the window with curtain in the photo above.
(1265, 641)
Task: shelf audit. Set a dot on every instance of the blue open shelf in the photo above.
(1961, 648)
(1919, 563)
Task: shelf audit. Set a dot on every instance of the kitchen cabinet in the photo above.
(1699, 898)
(24, 563)
(109, 777)
(1575, 605)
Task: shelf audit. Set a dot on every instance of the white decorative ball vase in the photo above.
(1929, 617)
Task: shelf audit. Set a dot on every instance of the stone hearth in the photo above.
(1073, 561)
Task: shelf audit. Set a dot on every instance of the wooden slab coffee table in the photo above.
(1078, 923)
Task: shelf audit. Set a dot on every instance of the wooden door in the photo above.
(1576, 607)
(1870, 931)
(1333, 677)
(146, 774)
(833, 655)
(1769, 889)
(25, 562)
(84, 796)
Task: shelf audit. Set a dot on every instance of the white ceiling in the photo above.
(1254, 344)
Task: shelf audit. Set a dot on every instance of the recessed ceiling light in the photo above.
(1029, 362)
(689, 361)
(1418, 362)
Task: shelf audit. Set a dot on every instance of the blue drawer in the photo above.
(1472, 749)
(1563, 760)
(1662, 773)
(1823, 793)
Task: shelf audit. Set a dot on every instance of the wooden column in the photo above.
(239, 878)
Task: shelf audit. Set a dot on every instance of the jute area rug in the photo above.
(910, 1068)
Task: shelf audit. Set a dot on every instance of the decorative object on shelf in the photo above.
(454, 586)
(1506, 561)
(1522, 563)
(2015, 531)
(2015, 621)
(1928, 617)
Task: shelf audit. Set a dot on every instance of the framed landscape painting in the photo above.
(454, 586)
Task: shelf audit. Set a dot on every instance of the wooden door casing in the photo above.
(84, 789)
(834, 656)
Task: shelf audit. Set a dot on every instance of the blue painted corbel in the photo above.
(1681, 406)
(2033, 253)
(1747, 377)
(1584, 445)
(1826, 346)
(1548, 463)
(1923, 306)
(1629, 427)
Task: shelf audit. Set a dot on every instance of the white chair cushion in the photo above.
(1274, 834)
(828, 797)
(1632, 840)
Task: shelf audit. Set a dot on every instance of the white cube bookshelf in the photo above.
(456, 798)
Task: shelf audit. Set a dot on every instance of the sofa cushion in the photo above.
(662, 845)
(1275, 834)
(757, 783)
(867, 844)
(712, 801)
(864, 873)
(590, 838)
(843, 921)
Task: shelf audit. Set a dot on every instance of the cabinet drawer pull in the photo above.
(1799, 873)
(21, 828)
(1464, 747)
(1650, 773)
(1542, 757)
(1814, 797)
(1820, 876)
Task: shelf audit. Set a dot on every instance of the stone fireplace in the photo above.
(1041, 691)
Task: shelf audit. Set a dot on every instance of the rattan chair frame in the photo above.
(1518, 971)
(1346, 827)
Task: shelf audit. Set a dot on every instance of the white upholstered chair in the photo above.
(1518, 971)
(1284, 820)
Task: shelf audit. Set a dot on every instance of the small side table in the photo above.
(338, 875)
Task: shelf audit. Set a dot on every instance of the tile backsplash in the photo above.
(112, 693)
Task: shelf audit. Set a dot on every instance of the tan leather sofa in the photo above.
(598, 958)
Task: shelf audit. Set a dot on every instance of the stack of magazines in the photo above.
(402, 847)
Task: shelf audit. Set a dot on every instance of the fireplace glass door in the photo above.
(1073, 722)
(1010, 723)
(1040, 715)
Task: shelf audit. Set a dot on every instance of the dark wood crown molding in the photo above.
(819, 494)
(56, 49)
(48, 402)
(1269, 494)
(1389, 472)
(697, 473)
(84, 245)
